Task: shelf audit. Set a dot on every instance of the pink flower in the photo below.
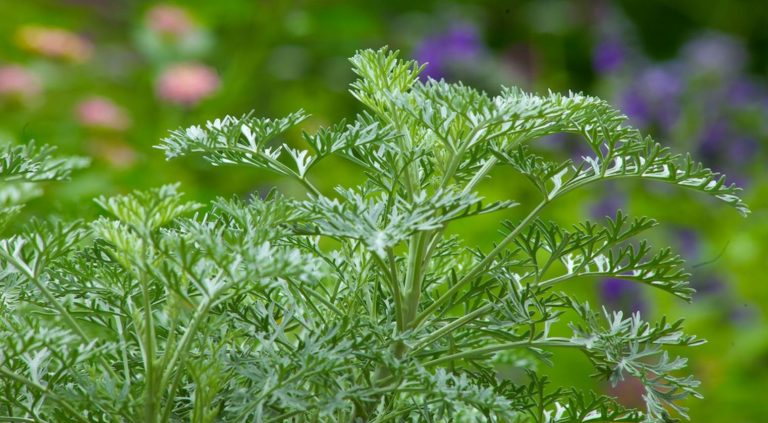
(102, 113)
(56, 43)
(187, 83)
(169, 20)
(115, 152)
(629, 392)
(18, 83)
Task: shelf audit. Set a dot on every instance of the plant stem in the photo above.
(456, 157)
(150, 391)
(311, 292)
(549, 342)
(489, 164)
(70, 321)
(479, 267)
(394, 285)
(181, 348)
(413, 277)
(450, 327)
(37, 387)
(288, 171)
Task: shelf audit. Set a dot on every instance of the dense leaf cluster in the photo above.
(354, 305)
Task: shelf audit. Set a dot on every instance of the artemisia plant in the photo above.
(361, 304)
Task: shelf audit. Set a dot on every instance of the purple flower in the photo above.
(707, 285)
(610, 202)
(715, 53)
(459, 43)
(742, 315)
(575, 146)
(689, 243)
(661, 83)
(664, 86)
(654, 97)
(742, 91)
(742, 149)
(721, 146)
(621, 295)
(608, 56)
(636, 107)
(711, 141)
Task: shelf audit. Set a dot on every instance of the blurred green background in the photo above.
(108, 78)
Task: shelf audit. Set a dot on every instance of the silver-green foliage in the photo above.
(356, 305)
(23, 168)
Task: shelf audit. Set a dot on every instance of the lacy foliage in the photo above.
(353, 305)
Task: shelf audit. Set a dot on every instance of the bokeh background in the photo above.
(108, 78)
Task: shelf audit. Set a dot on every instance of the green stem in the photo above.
(490, 349)
(397, 413)
(268, 392)
(171, 392)
(64, 313)
(311, 187)
(316, 296)
(489, 164)
(123, 350)
(456, 157)
(450, 327)
(40, 388)
(563, 278)
(413, 277)
(479, 267)
(285, 416)
(181, 349)
(394, 285)
(150, 392)
(288, 171)
(410, 174)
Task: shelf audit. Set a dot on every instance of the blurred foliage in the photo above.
(694, 76)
